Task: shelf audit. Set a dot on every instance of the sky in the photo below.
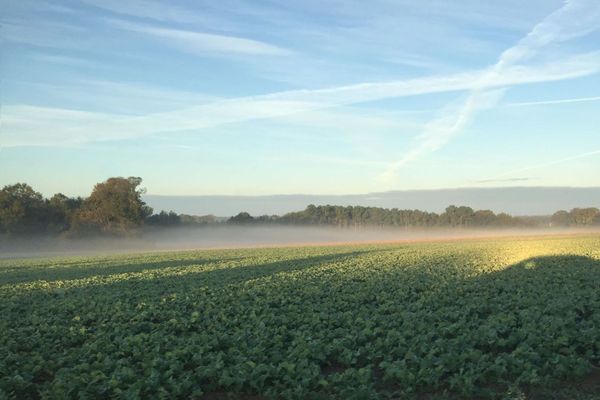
(282, 97)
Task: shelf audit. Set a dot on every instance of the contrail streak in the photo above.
(558, 101)
(574, 19)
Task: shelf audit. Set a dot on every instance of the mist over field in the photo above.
(227, 236)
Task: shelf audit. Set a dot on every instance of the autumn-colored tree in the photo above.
(585, 216)
(114, 207)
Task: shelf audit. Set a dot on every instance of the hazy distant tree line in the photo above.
(116, 207)
(358, 217)
(172, 219)
(576, 217)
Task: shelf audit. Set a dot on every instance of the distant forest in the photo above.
(115, 207)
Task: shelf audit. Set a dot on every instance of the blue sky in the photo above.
(280, 97)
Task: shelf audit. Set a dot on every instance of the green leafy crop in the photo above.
(472, 319)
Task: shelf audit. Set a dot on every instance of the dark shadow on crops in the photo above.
(540, 315)
(563, 277)
(74, 270)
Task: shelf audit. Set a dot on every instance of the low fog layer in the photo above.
(250, 236)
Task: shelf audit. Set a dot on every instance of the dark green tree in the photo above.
(484, 218)
(22, 210)
(60, 210)
(242, 218)
(457, 216)
(164, 219)
(561, 218)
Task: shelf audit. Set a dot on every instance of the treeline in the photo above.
(453, 217)
(172, 219)
(576, 217)
(116, 207)
(357, 217)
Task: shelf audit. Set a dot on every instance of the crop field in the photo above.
(488, 318)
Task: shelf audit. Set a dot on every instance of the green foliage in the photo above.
(358, 217)
(164, 219)
(241, 219)
(115, 206)
(21, 209)
(171, 219)
(475, 319)
(60, 212)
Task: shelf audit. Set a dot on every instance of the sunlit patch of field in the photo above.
(517, 317)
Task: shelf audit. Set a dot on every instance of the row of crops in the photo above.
(485, 319)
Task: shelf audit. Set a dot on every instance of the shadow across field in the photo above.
(90, 269)
(537, 322)
(556, 318)
(175, 280)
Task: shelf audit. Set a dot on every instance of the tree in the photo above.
(22, 210)
(504, 219)
(584, 216)
(457, 216)
(241, 219)
(484, 218)
(61, 209)
(561, 218)
(164, 219)
(114, 207)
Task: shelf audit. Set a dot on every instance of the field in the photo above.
(488, 318)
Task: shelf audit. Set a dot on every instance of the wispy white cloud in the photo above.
(107, 96)
(46, 126)
(202, 43)
(574, 19)
(39, 121)
(389, 36)
(135, 97)
(557, 101)
(566, 68)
